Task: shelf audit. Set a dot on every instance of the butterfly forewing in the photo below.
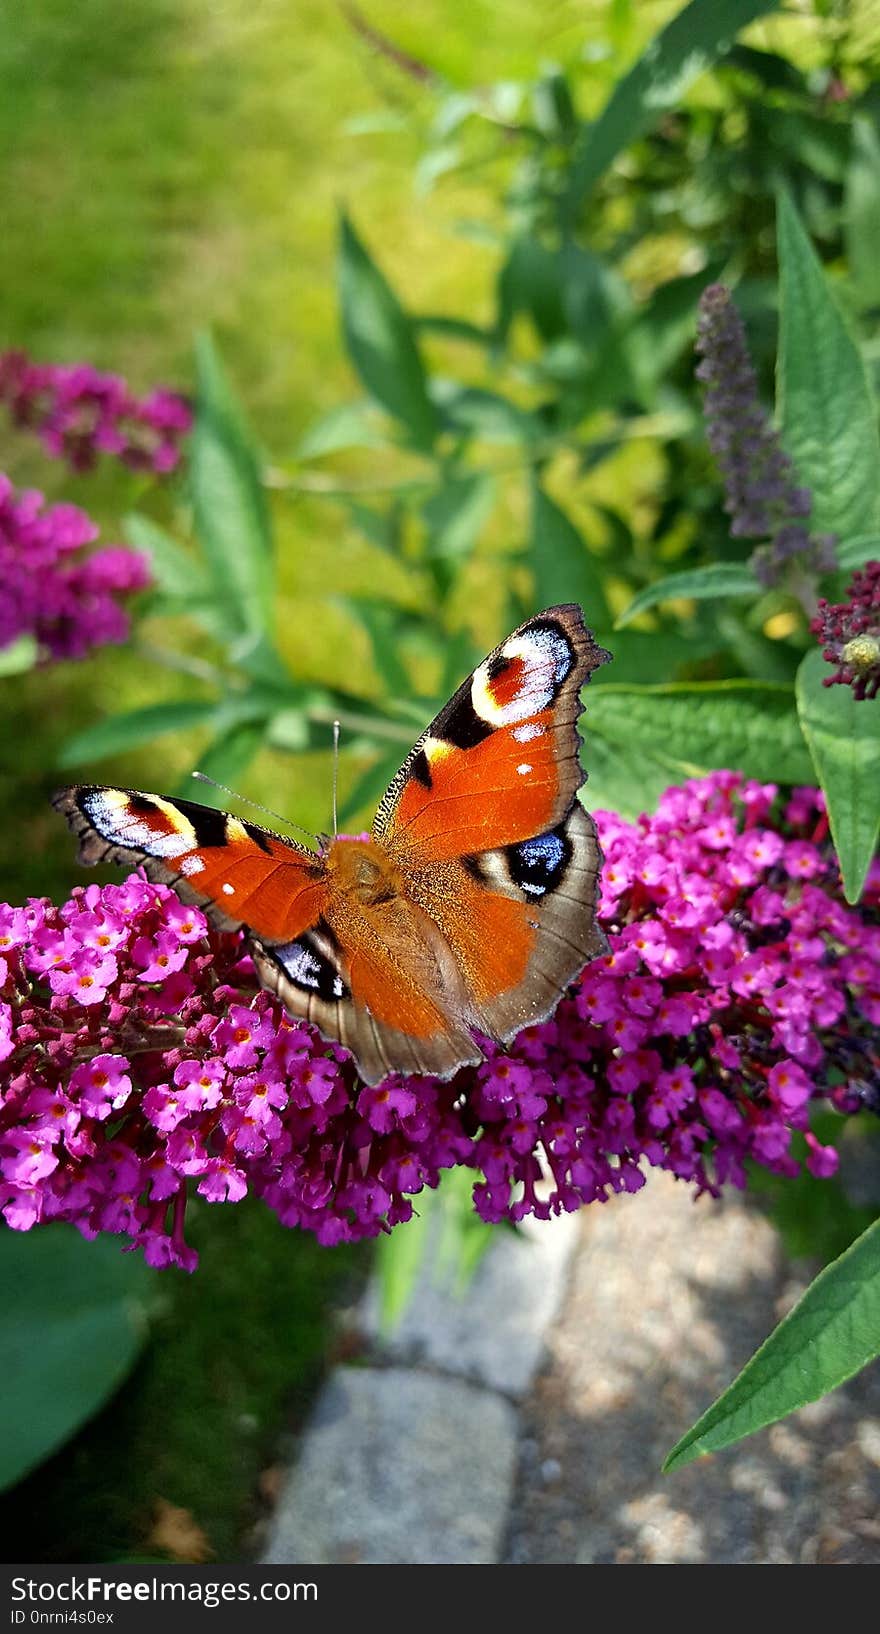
(238, 873)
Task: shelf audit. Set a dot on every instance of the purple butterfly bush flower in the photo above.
(762, 495)
(52, 586)
(80, 414)
(139, 1061)
(849, 634)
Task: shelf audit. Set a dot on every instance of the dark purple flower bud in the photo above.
(762, 496)
(849, 634)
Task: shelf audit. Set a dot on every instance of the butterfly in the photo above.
(463, 916)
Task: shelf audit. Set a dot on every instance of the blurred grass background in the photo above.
(175, 164)
(168, 165)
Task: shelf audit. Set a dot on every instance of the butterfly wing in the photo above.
(484, 822)
(369, 980)
(383, 982)
(238, 873)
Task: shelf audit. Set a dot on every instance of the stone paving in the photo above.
(525, 1422)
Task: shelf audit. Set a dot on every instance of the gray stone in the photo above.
(398, 1468)
(494, 1330)
(668, 1299)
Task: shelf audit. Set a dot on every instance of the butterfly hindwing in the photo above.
(392, 995)
(521, 921)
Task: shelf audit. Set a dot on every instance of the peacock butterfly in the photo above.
(465, 914)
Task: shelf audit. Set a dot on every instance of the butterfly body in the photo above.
(463, 915)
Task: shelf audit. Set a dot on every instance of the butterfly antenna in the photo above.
(202, 777)
(335, 775)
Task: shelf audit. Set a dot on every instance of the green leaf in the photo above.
(182, 576)
(856, 552)
(744, 725)
(688, 45)
(844, 738)
(439, 323)
(19, 656)
(861, 211)
(175, 569)
(456, 513)
(382, 625)
(381, 340)
(229, 500)
(695, 584)
(827, 414)
(651, 657)
(530, 281)
(350, 425)
(74, 1319)
(833, 1331)
(486, 414)
(226, 759)
(564, 569)
(622, 778)
(121, 732)
(665, 325)
(463, 1237)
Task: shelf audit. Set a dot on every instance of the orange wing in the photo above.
(484, 824)
(500, 762)
(238, 873)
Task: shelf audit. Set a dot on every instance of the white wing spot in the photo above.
(524, 769)
(526, 732)
(546, 657)
(302, 967)
(192, 865)
(110, 812)
(228, 890)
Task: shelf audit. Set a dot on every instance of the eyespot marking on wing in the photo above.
(523, 677)
(537, 866)
(140, 822)
(309, 962)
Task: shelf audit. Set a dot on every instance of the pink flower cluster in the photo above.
(80, 413)
(137, 1058)
(50, 588)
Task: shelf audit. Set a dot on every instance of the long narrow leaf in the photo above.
(831, 1333)
(697, 584)
(828, 416)
(561, 562)
(130, 731)
(844, 738)
(226, 759)
(381, 340)
(229, 500)
(683, 50)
